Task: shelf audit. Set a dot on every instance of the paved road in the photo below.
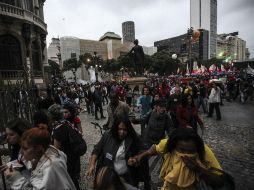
(231, 139)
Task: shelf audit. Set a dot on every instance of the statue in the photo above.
(138, 58)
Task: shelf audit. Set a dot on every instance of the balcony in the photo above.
(16, 12)
(12, 74)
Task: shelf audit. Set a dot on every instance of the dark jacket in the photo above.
(188, 117)
(107, 148)
(173, 101)
(157, 125)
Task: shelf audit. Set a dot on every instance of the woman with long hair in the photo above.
(115, 148)
(108, 179)
(187, 113)
(14, 130)
(70, 114)
(187, 160)
(48, 164)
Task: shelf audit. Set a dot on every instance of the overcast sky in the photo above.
(154, 19)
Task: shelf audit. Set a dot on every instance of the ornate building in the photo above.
(22, 40)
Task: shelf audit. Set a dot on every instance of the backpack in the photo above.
(77, 143)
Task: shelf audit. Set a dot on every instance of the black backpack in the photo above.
(77, 143)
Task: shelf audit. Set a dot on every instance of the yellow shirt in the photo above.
(210, 159)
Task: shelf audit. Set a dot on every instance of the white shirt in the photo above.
(120, 162)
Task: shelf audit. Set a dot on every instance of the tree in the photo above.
(86, 59)
(72, 64)
(55, 68)
(162, 63)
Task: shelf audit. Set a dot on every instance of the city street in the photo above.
(231, 140)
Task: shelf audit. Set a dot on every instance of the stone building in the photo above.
(22, 40)
(109, 46)
(231, 47)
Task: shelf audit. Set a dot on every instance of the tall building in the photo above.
(128, 30)
(203, 14)
(23, 40)
(54, 50)
(232, 47)
(180, 46)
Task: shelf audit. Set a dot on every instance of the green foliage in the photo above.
(86, 59)
(111, 65)
(163, 63)
(54, 67)
(71, 64)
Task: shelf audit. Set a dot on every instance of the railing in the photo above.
(12, 74)
(19, 13)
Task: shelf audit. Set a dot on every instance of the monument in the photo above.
(138, 58)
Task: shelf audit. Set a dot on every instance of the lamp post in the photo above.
(95, 65)
(189, 37)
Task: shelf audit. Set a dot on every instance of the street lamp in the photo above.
(189, 37)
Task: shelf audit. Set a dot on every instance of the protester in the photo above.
(116, 108)
(108, 179)
(158, 124)
(145, 102)
(214, 101)
(187, 114)
(115, 148)
(48, 165)
(70, 114)
(14, 130)
(44, 101)
(40, 120)
(186, 160)
(97, 97)
(60, 138)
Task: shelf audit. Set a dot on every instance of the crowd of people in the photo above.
(43, 158)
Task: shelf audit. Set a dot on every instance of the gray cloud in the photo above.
(154, 19)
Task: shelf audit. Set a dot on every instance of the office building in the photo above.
(128, 31)
(180, 45)
(203, 14)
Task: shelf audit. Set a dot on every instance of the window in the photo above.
(36, 56)
(10, 53)
(29, 5)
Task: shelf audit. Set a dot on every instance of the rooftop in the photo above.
(110, 35)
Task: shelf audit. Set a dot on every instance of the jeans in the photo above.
(202, 103)
(217, 109)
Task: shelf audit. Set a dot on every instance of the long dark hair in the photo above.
(106, 178)
(185, 100)
(186, 134)
(73, 112)
(130, 130)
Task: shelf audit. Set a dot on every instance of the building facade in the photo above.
(231, 47)
(128, 31)
(203, 14)
(22, 40)
(54, 50)
(180, 45)
(109, 46)
(149, 50)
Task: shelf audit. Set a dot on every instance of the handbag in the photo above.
(228, 180)
(77, 143)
